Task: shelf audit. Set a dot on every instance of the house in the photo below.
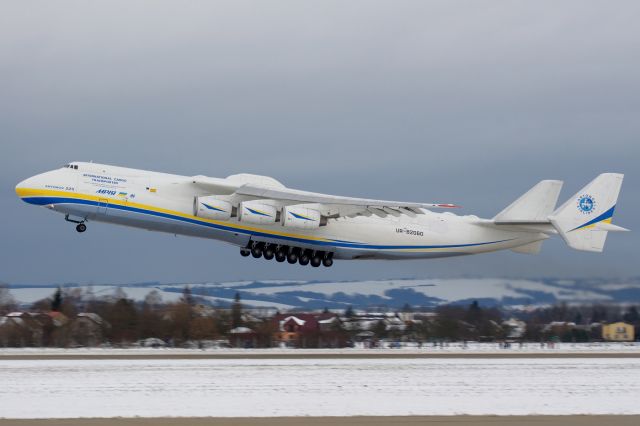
(243, 337)
(558, 328)
(392, 323)
(618, 332)
(26, 329)
(51, 329)
(308, 330)
(15, 330)
(58, 318)
(88, 329)
(514, 328)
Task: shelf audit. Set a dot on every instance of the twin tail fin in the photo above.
(583, 221)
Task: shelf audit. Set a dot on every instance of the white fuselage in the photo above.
(165, 202)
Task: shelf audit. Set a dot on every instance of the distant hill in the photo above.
(370, 294)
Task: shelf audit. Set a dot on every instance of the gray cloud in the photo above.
(453, 101)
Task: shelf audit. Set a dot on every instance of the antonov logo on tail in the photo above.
(266, 219)
(586, 204)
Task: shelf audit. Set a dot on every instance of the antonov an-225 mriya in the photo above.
(266, 219)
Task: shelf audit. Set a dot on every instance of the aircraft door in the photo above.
(103, 205)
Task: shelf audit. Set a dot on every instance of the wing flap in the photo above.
(298, 196)
(250, 187)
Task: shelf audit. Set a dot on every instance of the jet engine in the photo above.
(300, 217)
(255, 212)
(212, 208)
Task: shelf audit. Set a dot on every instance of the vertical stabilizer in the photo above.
(584, 220)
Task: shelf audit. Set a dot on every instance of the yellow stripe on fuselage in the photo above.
(34, 193)
(29, 192)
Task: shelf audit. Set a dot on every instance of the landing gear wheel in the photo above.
(292, 258)
(256, 251)
(304, 259)
(245, 252)
(268, 253)
(327, 261)
(81, 227)
(316, 261)
(281, 256)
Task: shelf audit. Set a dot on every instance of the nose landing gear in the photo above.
(80, 227)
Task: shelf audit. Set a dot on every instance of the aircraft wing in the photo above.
(335, 206)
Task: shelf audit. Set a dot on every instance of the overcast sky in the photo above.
(445, 101)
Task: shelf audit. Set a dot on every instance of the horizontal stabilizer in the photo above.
(609, 227)
(534, 206)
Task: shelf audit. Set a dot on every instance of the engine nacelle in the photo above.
(212, 208)
(255, 212)
(300, 217)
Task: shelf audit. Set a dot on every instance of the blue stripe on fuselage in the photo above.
(61, 200)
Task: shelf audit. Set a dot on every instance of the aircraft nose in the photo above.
(22, 187)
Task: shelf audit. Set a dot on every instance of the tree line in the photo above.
(186, 320)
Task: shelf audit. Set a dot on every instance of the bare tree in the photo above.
(180, 317)
(152, 323)
(236, 311)
(123, 318)
(153, 299)
(7, 302)
(203, 328)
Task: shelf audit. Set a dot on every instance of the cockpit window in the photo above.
(71, 166)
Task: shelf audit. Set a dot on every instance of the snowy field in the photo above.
(317, 387)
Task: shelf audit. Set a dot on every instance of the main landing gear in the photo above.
(292, 255)
(80, 227)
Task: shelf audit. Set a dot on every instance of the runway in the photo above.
(452, 351)
(319, 356)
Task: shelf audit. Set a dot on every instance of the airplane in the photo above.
(266, 219)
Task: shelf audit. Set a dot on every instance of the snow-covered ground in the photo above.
(317, 387)
(469, 348)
